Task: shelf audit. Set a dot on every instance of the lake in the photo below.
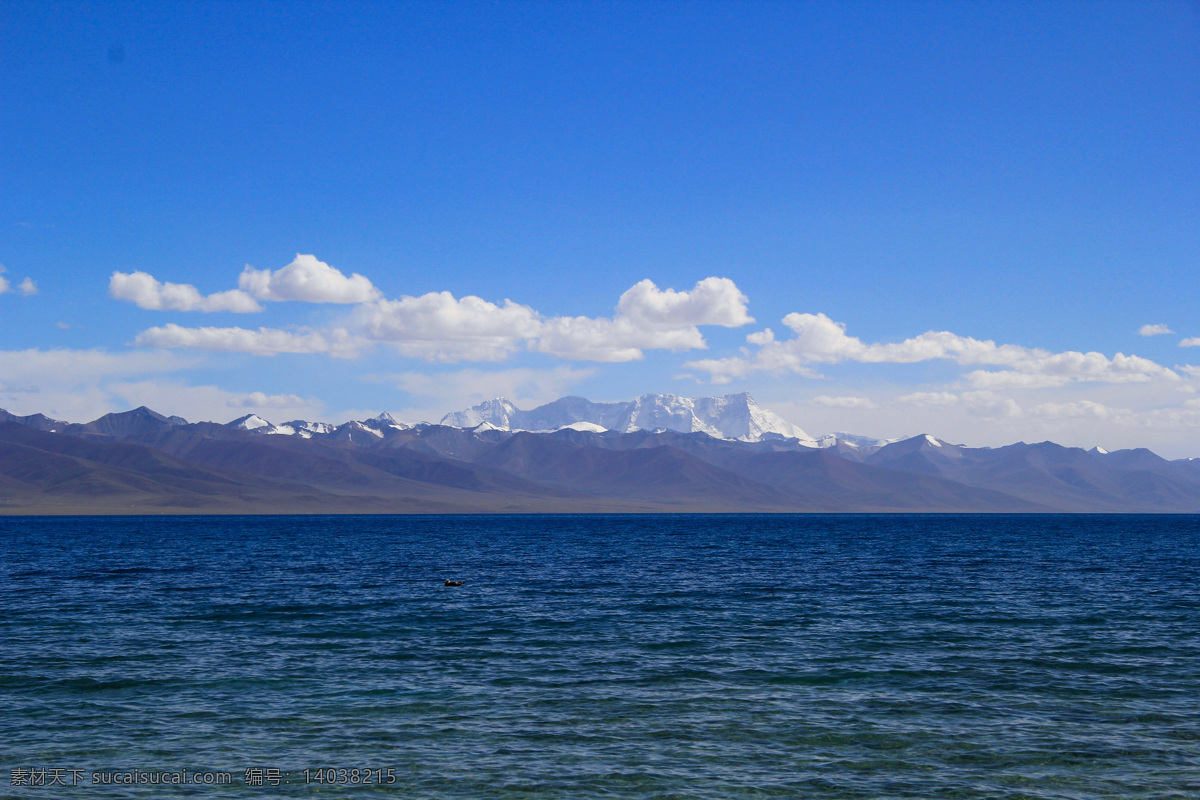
(742, 656)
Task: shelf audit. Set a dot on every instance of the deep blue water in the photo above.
(606, 656)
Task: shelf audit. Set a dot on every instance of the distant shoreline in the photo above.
(698, 512)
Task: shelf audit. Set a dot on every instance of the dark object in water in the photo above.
(454, 583)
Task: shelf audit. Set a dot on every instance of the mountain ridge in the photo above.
(140, 461)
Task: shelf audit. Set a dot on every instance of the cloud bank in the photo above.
(436, 326)
(817, 339)
(25, 287)
(647, 318)
(307, 280)
(145, 291)
(262, 342)
(439, 327)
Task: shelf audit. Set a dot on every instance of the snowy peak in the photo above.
(355, 431)
(497, 412)
(587, 427)
(853, 440)
(306, 429)
(256, 424)
(366, 430)
(381, 422)
(652, 412)
(929, 444)
(927, 441)
(735, 416)
(250, 422)
(740, 417)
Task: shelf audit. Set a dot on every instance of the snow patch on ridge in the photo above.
(250, 422)
(589, 427)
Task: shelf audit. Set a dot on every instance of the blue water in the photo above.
(605, 656)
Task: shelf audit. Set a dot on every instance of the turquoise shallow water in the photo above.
(665, 656)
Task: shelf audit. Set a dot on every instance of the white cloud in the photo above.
(307, 280)
(929, 398)
(1171, 419)
(82, 385)
(76, 367)
(647, 318)
(149, 293)
(712, 301)
(264, 341)
(1154, 330)
(1079, 408)
(843, 402)
(208, 403)
(263, 400)
(1193, 342)
(618, 339)
(989, 379)
(25, 287)
(990, 405)
(1160, 415)
(74, 384)
(435, 395)
(818, 339)
(439, 327)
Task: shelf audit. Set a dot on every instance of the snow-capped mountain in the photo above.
(498, 412)
(306, 430)
(732, 417)
(735, 416)
(852, 440)
(604, 462)
(252, 422)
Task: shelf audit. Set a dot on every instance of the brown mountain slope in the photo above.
(818, 478)
(51, 473)
(1057, 477)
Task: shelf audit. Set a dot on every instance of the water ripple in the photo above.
(691, 657)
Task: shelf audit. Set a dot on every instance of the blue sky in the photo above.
(971, 210)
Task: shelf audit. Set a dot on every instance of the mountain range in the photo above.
(658, 453)
(734, 416)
